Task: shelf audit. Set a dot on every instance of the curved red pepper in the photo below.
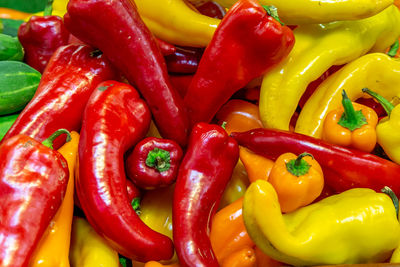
(203, 175)
(116, 28)
(154, 163)
(71, 76)
(33, 181)
(184, 60)
(114, 120)
(245, 45)
(211, 9)
(343, 168)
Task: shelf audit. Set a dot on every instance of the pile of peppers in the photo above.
(234, 133)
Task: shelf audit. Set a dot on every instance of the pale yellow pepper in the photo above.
(376, 71)
(53, 248)
(294, 12)
(317, 48)
(176, 22)
(89, 249)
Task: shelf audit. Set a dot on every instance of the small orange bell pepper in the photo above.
(257, 167)
(263, 260)
(245, 257)
(239, 115)
(351, 125)
(157, 264)
(298, 180)
(53, 248)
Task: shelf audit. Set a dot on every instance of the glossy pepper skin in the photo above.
(131, 47)
(247, 43)
(343, 168)
(41, 36)
(203, 175)
(351, 125)
(32, 186)
(53, 248)
(115, 119)
(317, 48)
(184, 60)
(364, 72)
(355, 226)
(154, 163)
(71, 75)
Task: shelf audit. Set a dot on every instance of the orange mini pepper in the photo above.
(298, 180)
(158, 264)
(351, 125)
(8, 13)
(245, 257)
(257, 167)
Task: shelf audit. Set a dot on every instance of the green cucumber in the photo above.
(10, 26)
(5, 123)
(10, 48)
(18, 83)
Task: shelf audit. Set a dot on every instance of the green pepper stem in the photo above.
(136, 205)
(159, 159)
(48, 8)
(387, 106)
(393, 49)
(49, 141)
(350, 119)
(223, 125)
(273, 12)
(388, 191)
(299, 166)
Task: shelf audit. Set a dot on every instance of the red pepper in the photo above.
(165, 47)
(185, 60)
(343, 168)
(41, 36)
(33, 181)
(181, 83)
(115, 119)
(211, 9)
(203, 175)
(245, 45)
(154, 163)
(71, 76)
(131, 47)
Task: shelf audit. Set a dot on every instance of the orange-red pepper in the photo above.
(351, 125)
(257, 167)
(297, 180)
(245, 257)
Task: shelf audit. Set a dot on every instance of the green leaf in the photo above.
(30, 6)
(10, 26)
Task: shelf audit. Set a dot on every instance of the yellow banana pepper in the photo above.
(89, 249)
(376, 71)
(53, 248)
(295, 12)
(175, 22)
(317, 48)
(388, 128)
(356, 226)
(59, 9)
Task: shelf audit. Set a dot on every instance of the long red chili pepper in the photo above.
(33, 181)
(114, 120)
(343, 168)
(203, 175)
(154, 163)
(41, 36)
(131, 47)
(71, 76)
(245, 45)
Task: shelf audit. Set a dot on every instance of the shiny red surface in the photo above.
(33, 181)
(114, 120)
(245, 45)
(131, 47)
(203, 175)
(65, 87)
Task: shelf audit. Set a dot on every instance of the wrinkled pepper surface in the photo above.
(203, 175)
(247, 43)
(112, 109)
(33, 183)
(317, 48)
(343, 168)
(131, 47)
(376, 71)
(176, 22)
(88, 248)
(356, 226)
(53, 248)
(70, 77)
(295, 12)
(41, 36)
